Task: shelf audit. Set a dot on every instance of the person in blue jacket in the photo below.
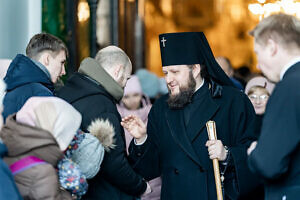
(35, 73)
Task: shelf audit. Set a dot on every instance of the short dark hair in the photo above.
(45, 42)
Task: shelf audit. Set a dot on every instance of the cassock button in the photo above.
(176, 171)
(139, 154)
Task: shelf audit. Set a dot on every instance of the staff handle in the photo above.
(212, 135)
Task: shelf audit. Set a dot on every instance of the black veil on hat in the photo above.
(188, 48)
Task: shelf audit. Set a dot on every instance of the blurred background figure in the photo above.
(8, 189)
(225, 64)
(152, 86)
(259, 90)
(243, 74)
(135, 102)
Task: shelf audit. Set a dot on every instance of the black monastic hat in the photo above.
(189, 48)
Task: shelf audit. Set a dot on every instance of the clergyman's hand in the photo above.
(216, 149)
(135, 126)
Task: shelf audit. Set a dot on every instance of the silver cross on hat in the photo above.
(163, 41)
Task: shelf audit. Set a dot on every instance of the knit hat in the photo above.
(133, 86)
(259, 81)
(149, 82)
(87, 149)
(89, 155)
(163, 89)
(52, 114)
(71, 178)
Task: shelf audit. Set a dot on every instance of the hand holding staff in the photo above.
(212, 135)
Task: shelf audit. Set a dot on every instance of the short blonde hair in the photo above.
(111, 56)
(283, 28)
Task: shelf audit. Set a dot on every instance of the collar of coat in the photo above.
(92, 69)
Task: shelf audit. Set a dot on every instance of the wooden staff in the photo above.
(212, 135)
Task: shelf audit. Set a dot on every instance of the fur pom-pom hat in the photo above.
(87, 149)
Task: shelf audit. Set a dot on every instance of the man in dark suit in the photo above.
(175, 145)
(276, 157)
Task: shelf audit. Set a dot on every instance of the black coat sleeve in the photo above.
(145, 158)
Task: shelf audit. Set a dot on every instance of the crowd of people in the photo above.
(107, 134)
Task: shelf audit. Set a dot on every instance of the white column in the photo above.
(34, 17)
(19, 21)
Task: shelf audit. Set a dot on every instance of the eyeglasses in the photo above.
(263, 97)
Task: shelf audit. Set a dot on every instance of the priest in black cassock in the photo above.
(175, 145)
(276, 157)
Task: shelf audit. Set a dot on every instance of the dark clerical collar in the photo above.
(197, 98)
(199, 93)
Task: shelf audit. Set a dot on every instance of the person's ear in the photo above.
(272, 47)
(118, 71)
(196, 70)
(45, 58)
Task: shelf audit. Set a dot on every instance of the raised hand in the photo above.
(135, 126)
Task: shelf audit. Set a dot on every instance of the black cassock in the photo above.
(276, 157)
(175, 148)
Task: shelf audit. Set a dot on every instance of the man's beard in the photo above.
(184, 96)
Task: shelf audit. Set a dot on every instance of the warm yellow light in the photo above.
(261, 1)
(236, 12)
(288, 6)
(256, 9)
(270, 8)
(83, 11)
(166, 7)
(297, 8)
(265, 9)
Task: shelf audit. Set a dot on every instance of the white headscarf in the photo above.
(52, 114)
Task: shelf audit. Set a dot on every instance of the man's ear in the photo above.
(44, 58)
(118, 71)
(196, 70)
(272, 47)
